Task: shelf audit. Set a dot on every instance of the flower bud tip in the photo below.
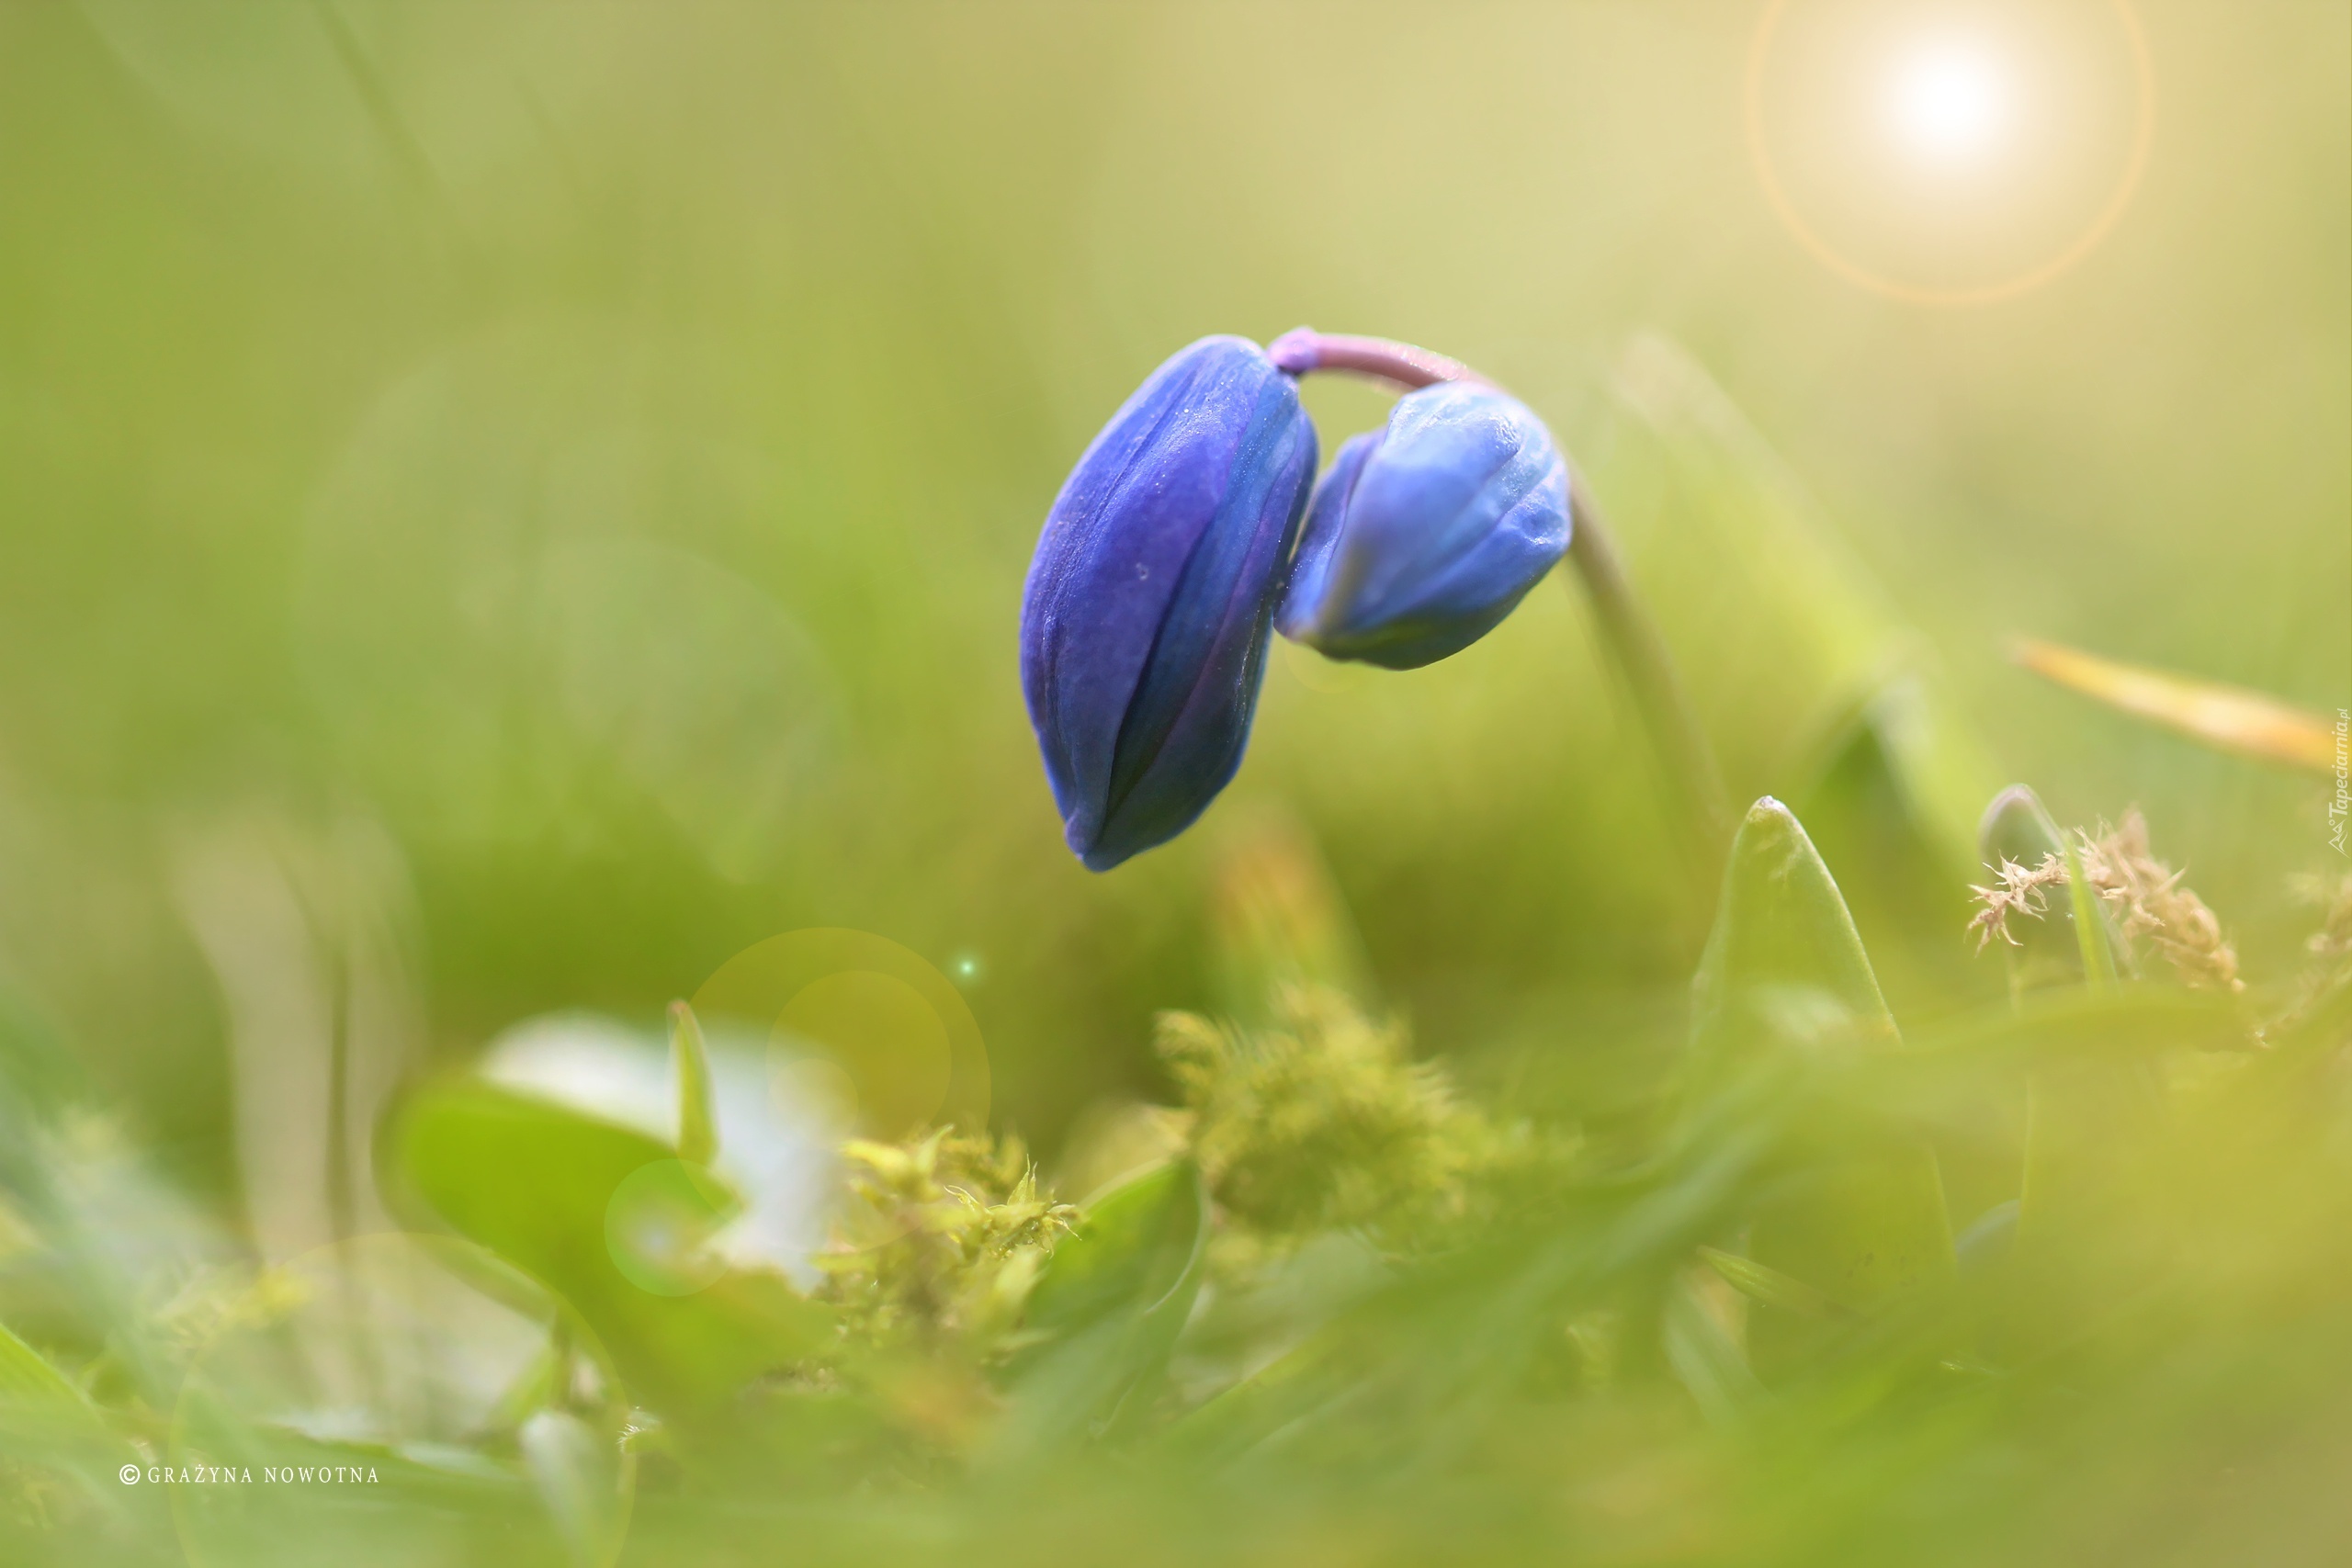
(1296, 352)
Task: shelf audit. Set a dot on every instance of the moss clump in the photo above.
(1321, 1121)
(941, 1238)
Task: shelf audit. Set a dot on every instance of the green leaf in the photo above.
(46, 1420)
(581, 1478)
(1112, 1300)
(1878, 808)
(1704, 1356)
(1783, 964)
(1940, 1078)
(28, 1380)
(2092, 1104)
(2087, 1236)
(535, 1184)
(1855, 1209)
(1863, 1224)
(2095, 1130)
(1769, 1286)
(2051, 950)
(2018, 826)
(1456, 1334)
(481, 1506)
(690, 1062)
(2090, 927)
(1132, 1248)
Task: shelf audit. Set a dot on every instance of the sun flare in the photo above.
(1949, 103)
(1950, 151)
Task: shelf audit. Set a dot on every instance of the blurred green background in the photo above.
(555, 482)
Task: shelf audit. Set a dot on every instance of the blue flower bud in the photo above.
(1425, 534)
(1143, 635)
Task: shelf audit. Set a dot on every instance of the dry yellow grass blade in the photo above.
(2231, 717)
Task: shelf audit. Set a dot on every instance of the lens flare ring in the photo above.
(1953, 105)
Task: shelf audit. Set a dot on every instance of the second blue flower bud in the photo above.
(1425, 534)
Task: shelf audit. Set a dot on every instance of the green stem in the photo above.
(2090, 934)
(1647, 667)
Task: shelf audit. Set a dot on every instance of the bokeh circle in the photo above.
(2009, 283)
(887, 1038)
(661, 1224)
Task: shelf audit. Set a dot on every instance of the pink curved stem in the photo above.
(1303, 349)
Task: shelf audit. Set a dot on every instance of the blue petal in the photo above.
(1148, 604)
(1318, 540)
(1441, 527)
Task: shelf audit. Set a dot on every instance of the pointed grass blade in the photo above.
(1855, 1212)
(690, 1063)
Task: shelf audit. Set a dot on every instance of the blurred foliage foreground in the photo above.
(2059, 1273)
(1327, 1309)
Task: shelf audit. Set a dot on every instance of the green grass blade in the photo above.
(690, 1062)
(2090, 927)
(1856, 1210)
(1784, 958)
(1769, 1286)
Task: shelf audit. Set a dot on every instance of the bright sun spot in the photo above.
(1948, 102)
